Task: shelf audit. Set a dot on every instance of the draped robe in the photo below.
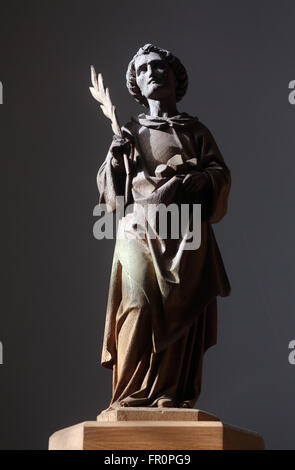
(162, 309)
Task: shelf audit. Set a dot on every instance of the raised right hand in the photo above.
(119, 147)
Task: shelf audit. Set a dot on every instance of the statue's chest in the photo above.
(157, 146)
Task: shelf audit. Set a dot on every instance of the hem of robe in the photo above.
(137, 398)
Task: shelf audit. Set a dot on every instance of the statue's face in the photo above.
(154, 77)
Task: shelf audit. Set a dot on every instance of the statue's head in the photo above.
(155, 73)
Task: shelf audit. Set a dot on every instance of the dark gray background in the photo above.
(240, 60)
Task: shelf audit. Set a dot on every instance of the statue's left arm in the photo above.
(216, 193)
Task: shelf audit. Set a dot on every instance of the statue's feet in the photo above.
(165, 403)
(124, 404)
(186, 404)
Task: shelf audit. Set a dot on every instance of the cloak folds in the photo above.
(162, 310)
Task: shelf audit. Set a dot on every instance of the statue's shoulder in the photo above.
(132, 126)
(203, 132)
(130, 130)
(200, 127)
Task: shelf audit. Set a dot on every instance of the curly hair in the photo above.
(175, 64)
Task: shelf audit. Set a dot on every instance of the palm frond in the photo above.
(102, 95)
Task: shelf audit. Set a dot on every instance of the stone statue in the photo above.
(162, 308)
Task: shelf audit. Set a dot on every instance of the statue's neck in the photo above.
(163, 108)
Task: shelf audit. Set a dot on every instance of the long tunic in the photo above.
(162, 311)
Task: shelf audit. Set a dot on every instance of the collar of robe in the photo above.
(181, 120)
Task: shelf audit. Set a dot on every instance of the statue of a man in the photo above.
(161, 312)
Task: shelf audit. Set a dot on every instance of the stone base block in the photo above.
(154, 429)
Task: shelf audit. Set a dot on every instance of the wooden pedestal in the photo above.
(154, 429)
